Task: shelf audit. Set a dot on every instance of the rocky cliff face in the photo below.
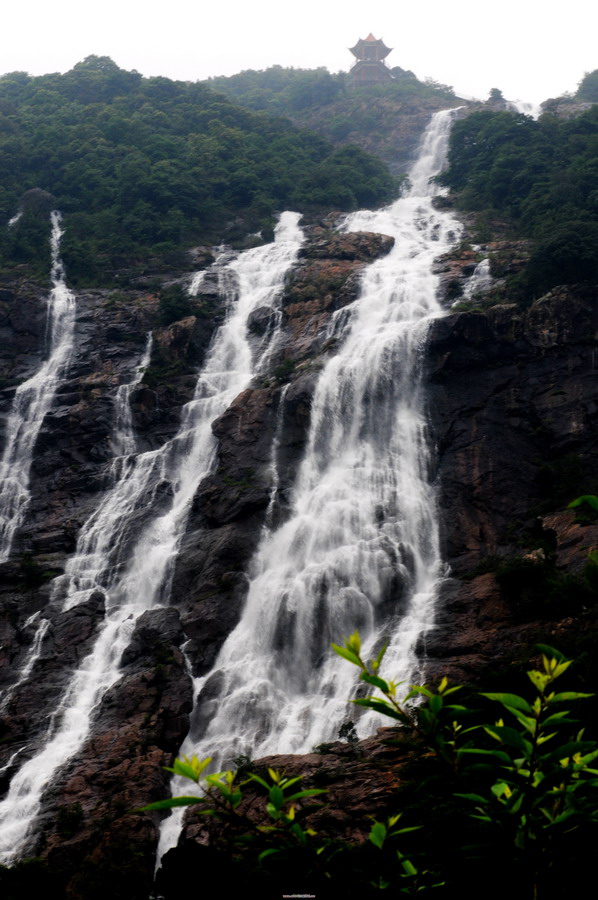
(512, 402)
(87, 831)
(512, 413)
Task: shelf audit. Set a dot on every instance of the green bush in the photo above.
(514, 793)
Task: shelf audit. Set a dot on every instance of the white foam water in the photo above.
(132, 564)
(361, 547)
(33, 400)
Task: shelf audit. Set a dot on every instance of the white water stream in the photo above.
(124, 443)
(480, 281)
(131, 563)
(33, 400)
(361, 548)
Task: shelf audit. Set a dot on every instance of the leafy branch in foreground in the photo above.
(275, 830)
(510, 789)
(535, 788)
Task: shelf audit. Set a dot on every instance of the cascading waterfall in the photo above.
(33, 400)
(124, 443)
(528, 109)
(361, 548)
(481, 280)
(132, 565)
(41, 627)
(16, 218)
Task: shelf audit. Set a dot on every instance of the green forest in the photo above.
(288, 91)
(143, 168)
(540, 178)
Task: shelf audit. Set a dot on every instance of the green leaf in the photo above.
(276, 796)
(436, 703)
(354, 643)
(588, 499)
(544, 738)
(311, 792)
(528, 723)
(511, 737)
(565, 751)
(498, 754)
(384, 708)
(511, 700)
(171, 803)
(408, 867)
(539, 679)
(375, 681)
(377, 834)
(559, 719)
(347, 654)
(550, 652)
(451, 690)
(376, 663)
(268, 852)
(419, 689)
(567, 696)
(287, 782)
(588, 757)
(475, 798)
(500, 789)
(236, 798)
(259, 781)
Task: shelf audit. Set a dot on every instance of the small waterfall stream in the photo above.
(123, 442)
(34, 398)
(480, 281)
(361, 547)
(128, 546)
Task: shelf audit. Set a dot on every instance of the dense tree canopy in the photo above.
(142, 167)
(333, 104)
(543, 177)
(588, 87)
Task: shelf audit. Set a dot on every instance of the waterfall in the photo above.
(128, 546)
(16, 218)
(33, 400)
(124, 443)
(361, 547)
(528, 109)
(33, 654)
(481, 280)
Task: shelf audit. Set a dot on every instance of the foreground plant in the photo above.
(277, 833)
(535, 781)
(514, 792)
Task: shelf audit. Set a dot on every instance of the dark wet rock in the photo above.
(512, 402)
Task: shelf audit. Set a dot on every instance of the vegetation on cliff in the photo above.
(289, 91)
(386, 119)
(541, 178)
(144, 167)
(510, 788)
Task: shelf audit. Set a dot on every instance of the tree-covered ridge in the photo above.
(542, 177)
(330, 103)
(142, 167)
(287, 90)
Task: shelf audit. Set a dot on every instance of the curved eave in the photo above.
(361, 47)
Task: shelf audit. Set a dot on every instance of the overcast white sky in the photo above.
(529, 49)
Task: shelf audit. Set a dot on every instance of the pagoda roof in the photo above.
(362, 44)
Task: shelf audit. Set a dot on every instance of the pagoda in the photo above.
(370, 66)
